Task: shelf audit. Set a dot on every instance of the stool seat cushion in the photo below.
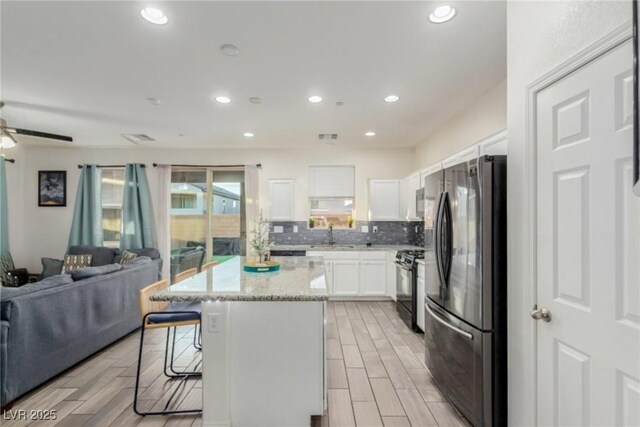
(169, 314)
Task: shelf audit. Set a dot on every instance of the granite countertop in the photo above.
(344, 248)
(299, 279)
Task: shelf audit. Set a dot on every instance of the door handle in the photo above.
(541, 314)
(447, 324)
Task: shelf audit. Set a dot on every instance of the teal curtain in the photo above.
(86, 228)
(6, 262)
(138, 224)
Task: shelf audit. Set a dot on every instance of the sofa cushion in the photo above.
(101, 255)
(86, 272)
(51, 267)
(74, 262)
(7, 294)
(127, 257)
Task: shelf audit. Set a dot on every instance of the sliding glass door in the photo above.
(207, 216)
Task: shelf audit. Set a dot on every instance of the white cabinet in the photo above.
(384, 200)
(346, 278)
(356, 274)
(462, 156)
(281, 199)
(373, 278)
(420, 296)
(494, 145)
(411, 185)
(428, 171)
(391, 275)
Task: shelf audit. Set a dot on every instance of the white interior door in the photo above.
(588, 248)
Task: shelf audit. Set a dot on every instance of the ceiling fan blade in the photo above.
(40, 134)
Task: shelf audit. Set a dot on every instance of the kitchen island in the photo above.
(263, 341)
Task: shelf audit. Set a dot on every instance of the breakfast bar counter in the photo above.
(263, 341)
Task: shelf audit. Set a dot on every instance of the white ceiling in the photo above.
(86, 69)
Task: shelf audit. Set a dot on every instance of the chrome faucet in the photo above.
(330, 234)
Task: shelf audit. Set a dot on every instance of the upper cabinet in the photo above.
(331, 181)
(428, 171)
(385, 200)
(494, 145)
(462, 156)
(281, 199)
(411, 185)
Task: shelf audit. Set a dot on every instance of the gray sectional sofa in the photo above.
(51, 325)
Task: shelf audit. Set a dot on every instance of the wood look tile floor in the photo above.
(376, 377)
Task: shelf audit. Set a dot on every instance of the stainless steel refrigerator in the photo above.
(466, 292)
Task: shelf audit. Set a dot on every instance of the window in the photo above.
(112, 193)
(337, 211)
(183, 201)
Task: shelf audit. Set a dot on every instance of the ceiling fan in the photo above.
(8, 140)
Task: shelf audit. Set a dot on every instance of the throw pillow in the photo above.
(50, 267)
(127, 257)
(74, 262)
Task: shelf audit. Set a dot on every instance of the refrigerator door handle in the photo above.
(447, 324)
(438, 242)
(447, 240)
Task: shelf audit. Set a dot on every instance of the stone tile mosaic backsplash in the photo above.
(389, 233)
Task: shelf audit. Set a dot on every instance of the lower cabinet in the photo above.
(356, 274)
(346, 278)
(373, 278)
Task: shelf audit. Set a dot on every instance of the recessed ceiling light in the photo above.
(153, 15)
(442, 14)
(340, 103)
(370, 134)
(391, 98)
(315, 99)
(255, 100)
(248, 134)
(229, 50)
(223, 99)
(155, 101)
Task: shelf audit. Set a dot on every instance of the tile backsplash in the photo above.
(389, 233)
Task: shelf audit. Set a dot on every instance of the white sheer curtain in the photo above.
(163, 218)
(252, 201)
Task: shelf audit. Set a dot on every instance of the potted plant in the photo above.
(350, 221)
(312, 223)
(260, 238)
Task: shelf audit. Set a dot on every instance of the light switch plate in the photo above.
(278, 229)
(364, 228)
(375, 228)
(295, 228)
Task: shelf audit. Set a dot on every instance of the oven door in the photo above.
(404, 292)
(458, 357)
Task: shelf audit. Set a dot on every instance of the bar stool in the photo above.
(162, 314)
(209, 265)
(184, 275)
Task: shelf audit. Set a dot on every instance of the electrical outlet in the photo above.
(375, 228)
(364, 228)
(416, 228)
(213, 322)
(295, 228)
(278, 229)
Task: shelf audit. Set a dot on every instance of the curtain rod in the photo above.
(10, 160)
(111, 166)
(259, 166)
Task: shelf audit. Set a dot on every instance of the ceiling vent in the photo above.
(327, 136)
(137, 138)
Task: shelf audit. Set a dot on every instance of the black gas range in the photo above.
(406, 286)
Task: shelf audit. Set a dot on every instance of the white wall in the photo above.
(44, 231)
(540, 36)
(487, 115)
